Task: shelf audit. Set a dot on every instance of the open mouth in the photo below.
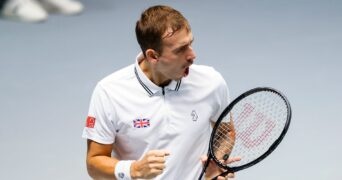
(186, 72)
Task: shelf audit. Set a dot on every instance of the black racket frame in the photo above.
(263, 156)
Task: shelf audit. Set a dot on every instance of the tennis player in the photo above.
(152, 119)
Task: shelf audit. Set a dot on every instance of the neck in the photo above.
(152, 74)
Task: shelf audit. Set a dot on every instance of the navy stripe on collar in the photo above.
(178, 84)
(149, 91)
(142, 84)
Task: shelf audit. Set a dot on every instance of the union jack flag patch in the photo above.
(141, 123)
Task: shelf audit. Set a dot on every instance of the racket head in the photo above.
(263, 111)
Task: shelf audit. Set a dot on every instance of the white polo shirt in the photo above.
(129, 110)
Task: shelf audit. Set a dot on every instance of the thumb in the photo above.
(204, 158)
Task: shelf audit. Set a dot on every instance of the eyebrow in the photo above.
(183, 46)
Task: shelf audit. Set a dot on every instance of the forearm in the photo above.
(101, 167)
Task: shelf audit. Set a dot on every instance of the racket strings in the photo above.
(259, 119)
(223, 140)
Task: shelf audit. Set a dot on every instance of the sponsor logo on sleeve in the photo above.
(90, 122)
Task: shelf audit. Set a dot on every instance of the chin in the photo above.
(178, 78)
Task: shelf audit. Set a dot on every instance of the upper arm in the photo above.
(100, 164)
(97, 149)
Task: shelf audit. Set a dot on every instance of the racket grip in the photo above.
(222, 174)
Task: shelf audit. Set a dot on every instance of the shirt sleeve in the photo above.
(222, 98)
(99, 124)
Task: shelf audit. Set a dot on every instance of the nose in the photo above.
(191, 56)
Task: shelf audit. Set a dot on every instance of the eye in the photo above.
(182, 49)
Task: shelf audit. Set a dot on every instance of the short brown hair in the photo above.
(154, 22)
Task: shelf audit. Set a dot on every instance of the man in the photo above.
(152, 119)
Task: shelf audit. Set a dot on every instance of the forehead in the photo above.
(175, 39)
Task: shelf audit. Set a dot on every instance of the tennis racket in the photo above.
(250, 127)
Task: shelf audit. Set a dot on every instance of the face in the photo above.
(176, 57)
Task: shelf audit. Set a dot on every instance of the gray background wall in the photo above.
(48, 72)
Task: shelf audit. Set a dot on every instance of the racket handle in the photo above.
(222, 174)
(204, 168)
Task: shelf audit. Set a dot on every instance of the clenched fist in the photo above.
(150, 166)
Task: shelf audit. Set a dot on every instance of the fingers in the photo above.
(156, 160)
(230, 176)
(233, 159)
(158, 153)
(221, 178)
(152, 164)
(204, 158)
(214, 170)
(230, 160)
(157, 156)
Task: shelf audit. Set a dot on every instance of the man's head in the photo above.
(166, 41)
(157, 23)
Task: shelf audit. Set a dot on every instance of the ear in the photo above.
(152, 55)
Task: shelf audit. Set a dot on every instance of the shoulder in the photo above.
(122, 75)
(117, 82)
